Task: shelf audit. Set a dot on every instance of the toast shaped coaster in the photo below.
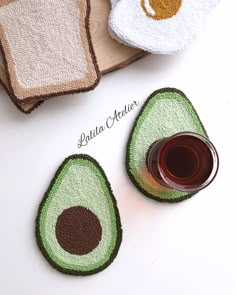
(167, 111)
(26, 108)
(47, 47)
(158, 26)
(78, 227)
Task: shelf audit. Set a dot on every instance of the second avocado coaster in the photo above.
(78, 227)
(167, 111)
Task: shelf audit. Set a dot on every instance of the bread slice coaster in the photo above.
(167, 111)
(78, 228)
(159, 27)
(111, 55)
(25, 108)
(47, 48)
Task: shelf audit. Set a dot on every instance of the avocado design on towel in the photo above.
(167, 111)
(158, 26)
(78, 227)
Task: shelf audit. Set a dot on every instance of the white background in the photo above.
(168, 249)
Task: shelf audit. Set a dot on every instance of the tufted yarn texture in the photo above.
(78, 227)
(114, 2)
(158, 26)
(167, 111)
(47, 48)
(25, 108)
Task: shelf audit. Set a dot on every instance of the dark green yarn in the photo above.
(118, 222)
(127, 160)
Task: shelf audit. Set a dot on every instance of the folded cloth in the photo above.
(163, 26)
(47, 48)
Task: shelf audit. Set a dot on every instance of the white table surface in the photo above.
(187, 248)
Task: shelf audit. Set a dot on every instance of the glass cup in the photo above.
(186, 161)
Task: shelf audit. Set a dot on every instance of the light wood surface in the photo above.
(111, 55)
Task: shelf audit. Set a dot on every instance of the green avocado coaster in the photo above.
(78, 227)
(167, 111)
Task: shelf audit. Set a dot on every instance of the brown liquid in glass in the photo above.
(186, 161)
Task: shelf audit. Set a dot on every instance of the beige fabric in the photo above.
(24, 107)
(47, 47)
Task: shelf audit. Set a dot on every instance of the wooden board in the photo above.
(111, 55)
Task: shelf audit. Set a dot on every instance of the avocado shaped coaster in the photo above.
(78, 227)
(167, 111)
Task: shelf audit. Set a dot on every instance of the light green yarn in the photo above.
(80, 181)
(166, 112)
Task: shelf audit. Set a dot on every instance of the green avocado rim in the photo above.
(127, 160)
(117, 215)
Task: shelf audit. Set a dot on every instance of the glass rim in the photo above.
(215, 158)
